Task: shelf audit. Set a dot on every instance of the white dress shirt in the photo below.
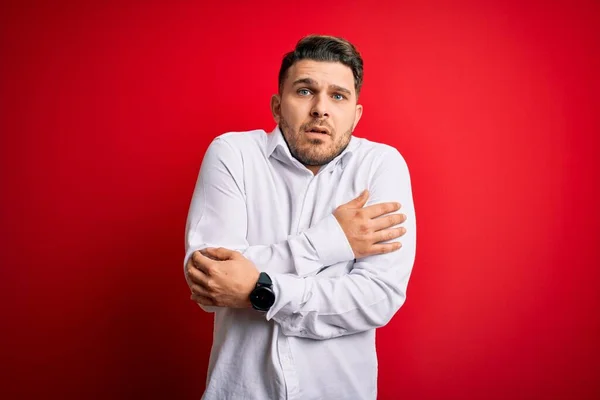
(318, 340)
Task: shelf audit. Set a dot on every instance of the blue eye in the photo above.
(303, 92)
(338, 96)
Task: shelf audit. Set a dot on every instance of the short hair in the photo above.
(324, 48)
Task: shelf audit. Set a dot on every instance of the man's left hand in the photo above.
(221, 277)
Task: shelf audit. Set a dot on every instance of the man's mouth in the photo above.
(319, 129)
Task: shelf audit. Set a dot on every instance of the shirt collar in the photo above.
(277, 144)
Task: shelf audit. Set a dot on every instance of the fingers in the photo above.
(197, 277)
(387, 221)
(199, 290)
(384, 248)
(380, 209)
(221, 253)
(359, 201)
(388, 234)
(201, 261)
(383, 236)
(199, 287)
(205, 301)
(209, 252)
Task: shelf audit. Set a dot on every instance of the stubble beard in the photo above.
(312, 154)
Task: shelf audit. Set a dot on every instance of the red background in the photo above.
(106, 111)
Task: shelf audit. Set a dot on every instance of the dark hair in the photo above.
(324, 48)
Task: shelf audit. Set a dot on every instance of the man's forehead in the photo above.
(322, 72)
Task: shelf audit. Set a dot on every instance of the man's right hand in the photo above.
(365, 231)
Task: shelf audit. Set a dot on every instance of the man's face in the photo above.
(317, 110)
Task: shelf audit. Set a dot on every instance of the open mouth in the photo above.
(320, 130)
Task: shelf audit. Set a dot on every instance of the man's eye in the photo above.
(303, 92)
(338, 96)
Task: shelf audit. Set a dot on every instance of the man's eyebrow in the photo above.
(310, 81)
(341, 89)
(307, 81)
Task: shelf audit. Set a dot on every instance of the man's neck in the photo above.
(313, 168)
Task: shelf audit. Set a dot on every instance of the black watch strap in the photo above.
(264, 280)
(263, 296)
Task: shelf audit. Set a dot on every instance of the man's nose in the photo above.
(320, 107)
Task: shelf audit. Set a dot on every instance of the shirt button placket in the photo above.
(306, 208)
(292, 384)
(285, 354)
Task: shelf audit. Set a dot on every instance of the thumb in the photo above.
(359, 201)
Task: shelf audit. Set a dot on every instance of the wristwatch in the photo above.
(262, 296)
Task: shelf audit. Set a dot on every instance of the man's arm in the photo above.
(218, 218)
(369, 295)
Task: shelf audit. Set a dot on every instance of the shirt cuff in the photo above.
(289, 291)
(330, 241)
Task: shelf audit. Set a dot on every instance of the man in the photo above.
(292, 239)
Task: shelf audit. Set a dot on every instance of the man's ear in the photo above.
(359, 111)
(276, 107)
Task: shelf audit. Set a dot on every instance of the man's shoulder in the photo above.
(370, 150)
(244, 140)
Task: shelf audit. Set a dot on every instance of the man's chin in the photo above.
(314, 160)
(314, 139)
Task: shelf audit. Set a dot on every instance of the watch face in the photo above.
(262, 298)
